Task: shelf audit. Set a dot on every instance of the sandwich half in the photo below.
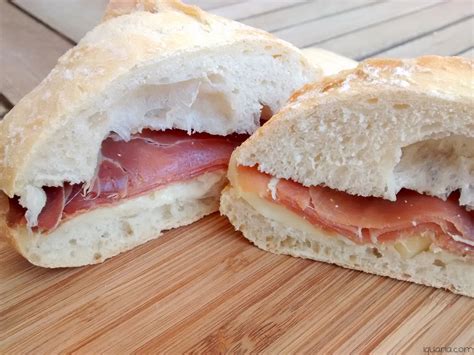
(131, 132)
(371, 169)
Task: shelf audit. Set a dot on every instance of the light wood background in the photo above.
(204, 288)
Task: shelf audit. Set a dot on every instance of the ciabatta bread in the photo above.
(153, 64)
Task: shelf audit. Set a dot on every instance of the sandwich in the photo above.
(371, 169)
(131, 133)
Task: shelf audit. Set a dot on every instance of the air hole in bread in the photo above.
(105, 235)
(376, 252)
(270, 242)
(72, 254)
(401, 106)
(373, 100)
(436, 165)
(406, 276)
(73, 241)
(97, 256)
(307, 243)
(288, 242)
(265, 113)
(439, 263)
(127, 228)
(292, 241)
(315, 246)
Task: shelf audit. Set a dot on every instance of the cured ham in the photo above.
(49, 217)
(146, 162)
(368, 219)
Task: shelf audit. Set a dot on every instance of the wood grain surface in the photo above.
(34, 33)
(204, 288)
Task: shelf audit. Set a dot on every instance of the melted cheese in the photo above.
(407, 247)
(411, 246)
(276, 212)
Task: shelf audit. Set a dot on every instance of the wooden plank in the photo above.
(305, 12)
(468, 53)
(252, 8)
(313, 32)
(375, 39)
(211, 4)
(434, 315)
(72, 18)
(448, 41)
(80, 16)
(29, 52)
(203, 288)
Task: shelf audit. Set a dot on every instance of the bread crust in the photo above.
(116, 8)
(449, 76)
(350, 131)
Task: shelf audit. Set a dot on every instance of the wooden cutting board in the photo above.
(204, 288)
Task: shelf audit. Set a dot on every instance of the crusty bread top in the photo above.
(449, 77)
(142, 49)
(373, 130)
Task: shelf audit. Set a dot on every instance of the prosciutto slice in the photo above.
(369, 219)
(148, 161)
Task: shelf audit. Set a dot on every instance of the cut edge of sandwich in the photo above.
(98, 234)
(277, 230)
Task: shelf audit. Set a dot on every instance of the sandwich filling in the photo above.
(365, 219)
(148, 161)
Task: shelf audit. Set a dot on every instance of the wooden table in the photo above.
(204, 288)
